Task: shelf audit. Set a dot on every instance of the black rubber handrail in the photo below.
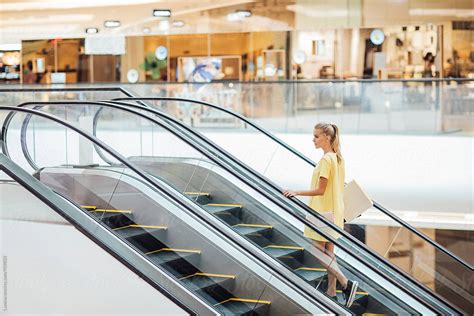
(271, 197)
(174, 197)
(309, 161)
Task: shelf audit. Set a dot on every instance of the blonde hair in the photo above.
(332, 131)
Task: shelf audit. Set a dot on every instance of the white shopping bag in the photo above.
(356, 201)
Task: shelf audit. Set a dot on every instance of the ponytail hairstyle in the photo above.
(332, 131)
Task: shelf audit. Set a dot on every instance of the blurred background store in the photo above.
(149, 41)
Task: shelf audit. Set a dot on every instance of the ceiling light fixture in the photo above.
(92, 30)
(112, 23)
(244, 13)
(177, 23)
(162, 13)
(239, 15)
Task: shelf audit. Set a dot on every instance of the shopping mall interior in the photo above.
(146, 148)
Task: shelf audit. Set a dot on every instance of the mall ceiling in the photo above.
(44, 19)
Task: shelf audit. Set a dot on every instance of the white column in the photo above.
(355, 40)
(86, 148)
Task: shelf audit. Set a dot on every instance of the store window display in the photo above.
(9, 67)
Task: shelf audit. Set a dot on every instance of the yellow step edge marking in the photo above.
(230, 205)
(254, 225)
(227, 276)
(285, 247)
(360, 293)
(141, 226)
(197, 193)
(91, 207)
(173, 249)
(246, 300)
(311, 269)
(112, 211)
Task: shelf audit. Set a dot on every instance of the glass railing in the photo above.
(148, 216)
(14, 95)
(406, 247)
(412, 106)
(423, 106)
(273, 229)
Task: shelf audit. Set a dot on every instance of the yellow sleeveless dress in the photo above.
(333, 197)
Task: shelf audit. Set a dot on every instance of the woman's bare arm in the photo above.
(323, 182)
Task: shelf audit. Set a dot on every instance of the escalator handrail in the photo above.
(52, 89)
(76, 89)
(283, 206)
(124, 161)
(59, 205)
(312, 163)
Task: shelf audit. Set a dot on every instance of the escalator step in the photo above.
(259, 234)
(135, 230)
(253, 229)
(312, 275)
(200, 280)
(240, 306)
(180, 262)
(199, 197)
(144, 237)
(360, 300)
(113, 218)
(220, 208)
(284, 251)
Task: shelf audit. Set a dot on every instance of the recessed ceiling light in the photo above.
(146, 30)
(244, 13)
(161, 13)
(112, 23)
(177, 23)
(239, 15)
(92, 30)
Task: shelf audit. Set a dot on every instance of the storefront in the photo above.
(393, 52)
(9, 65)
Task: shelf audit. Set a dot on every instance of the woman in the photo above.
(327, 196)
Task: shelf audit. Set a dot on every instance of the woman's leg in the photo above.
(333, 277)
(328, 261)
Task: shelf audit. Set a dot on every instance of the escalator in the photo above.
(436, 267)
(270, 227)
(146, 226)
(52, 268)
